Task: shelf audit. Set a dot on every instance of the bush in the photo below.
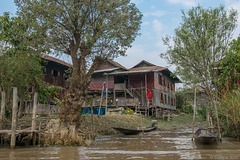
(202, 111)
(188, 108)
(229, 112)
(128, 111)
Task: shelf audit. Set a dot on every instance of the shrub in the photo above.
(229, 112)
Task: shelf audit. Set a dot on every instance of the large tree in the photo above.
(200, 42)
(86, 30)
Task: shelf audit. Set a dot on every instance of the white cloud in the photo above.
(157, 13)
(138, 53)
(187, 3)
(157, 26)
(145, 23)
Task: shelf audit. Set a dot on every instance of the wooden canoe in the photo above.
(205, 136)
(135, 131)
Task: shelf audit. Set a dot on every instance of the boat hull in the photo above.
(205, 136)
(134, 131)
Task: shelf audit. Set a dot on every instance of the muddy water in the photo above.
(155, 145)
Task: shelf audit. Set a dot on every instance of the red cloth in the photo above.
(149, 94)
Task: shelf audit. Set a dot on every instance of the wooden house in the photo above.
(145, 88)
(54, 71)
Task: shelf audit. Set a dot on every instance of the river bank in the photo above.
(94, 126)
(55, 133)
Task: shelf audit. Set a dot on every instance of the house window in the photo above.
(160, 79)
(55, 73)
(45, 70)
(165, 99)
(161, 98)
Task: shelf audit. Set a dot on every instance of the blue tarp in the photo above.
(95, 111)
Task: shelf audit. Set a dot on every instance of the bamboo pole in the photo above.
(3, 104)
(14, 118)
(194, 112)
(34, 116)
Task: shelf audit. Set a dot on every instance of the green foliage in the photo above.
(107, 27)
(180, 100)
(19, 56)
(229, 112)
(188, 108)
(202, 111)
(47, 93)
(128, 111)
(230, 67)
(200, 41)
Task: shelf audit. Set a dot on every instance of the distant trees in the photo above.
(86, 30)
(200, 42)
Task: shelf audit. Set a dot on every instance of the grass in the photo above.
(104, 124)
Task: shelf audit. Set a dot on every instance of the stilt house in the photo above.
(145, 88)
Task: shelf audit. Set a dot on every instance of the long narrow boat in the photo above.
(135, 131)
(205, 136)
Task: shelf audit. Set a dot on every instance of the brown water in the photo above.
(153, 146)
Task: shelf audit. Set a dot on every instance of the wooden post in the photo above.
(92, 119)
(106, 96)
(219, 132)
(114, 98)
(14, 118)
(156, 111)
(147, 101)
(100, 105)
(39, 133)
(53, 134)
(3, 104)
(194, 112)
(141, 91)
(34, 116)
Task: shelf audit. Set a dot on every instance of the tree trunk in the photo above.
(79, 82)
(76, 94)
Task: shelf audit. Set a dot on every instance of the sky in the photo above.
(160, 18)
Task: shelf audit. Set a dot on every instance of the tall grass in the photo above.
(229, 111)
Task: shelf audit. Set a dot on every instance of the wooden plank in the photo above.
(2, 115)
(14, 118)
(19, 131)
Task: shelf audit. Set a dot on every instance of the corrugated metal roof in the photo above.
(150, 68)
(117, 64)
(105, 70)
(47, 57)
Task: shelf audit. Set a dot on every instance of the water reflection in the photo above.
(156, 145)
